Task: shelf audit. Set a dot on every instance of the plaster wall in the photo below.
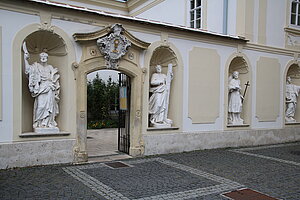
(275, 23)
(189, 141)
(19, 20)
(31, 153)
(168, 11)
(224, 52)
(232, 12)
(215, 15)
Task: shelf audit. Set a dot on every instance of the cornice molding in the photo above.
(292, 30)
(270, 49)
(83, 37)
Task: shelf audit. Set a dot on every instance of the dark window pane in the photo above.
(198, 3)
(293, 19)
(198, 23)
(192, 4)
(298, 20)
(198, 13)
(192, 24)
(294, 7)
(192, 16)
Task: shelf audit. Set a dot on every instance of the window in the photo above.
(295, 12)
(195, 13)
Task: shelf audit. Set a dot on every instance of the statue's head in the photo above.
(43, 57)
(288, 79)
(235, 75)
(158, 68)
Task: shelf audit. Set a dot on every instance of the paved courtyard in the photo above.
(270, 170)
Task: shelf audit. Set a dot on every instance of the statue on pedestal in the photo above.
(44, 88)
(291, 94)
(159, 100)
(235, 100)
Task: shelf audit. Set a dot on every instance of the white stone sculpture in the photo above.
(44, 88)
(291, 94)
(113, 46)
(159, 100)
(235, 100)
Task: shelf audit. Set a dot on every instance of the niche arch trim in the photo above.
(176, 98)
(17, 65)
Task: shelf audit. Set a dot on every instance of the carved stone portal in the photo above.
(114, 46)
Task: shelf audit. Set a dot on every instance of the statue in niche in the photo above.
(44, 88)
(235, 100)
(159, 100)
(291, 94)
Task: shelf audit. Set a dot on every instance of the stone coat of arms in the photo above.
(113, 46)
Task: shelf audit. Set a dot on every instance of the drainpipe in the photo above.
(225, 16)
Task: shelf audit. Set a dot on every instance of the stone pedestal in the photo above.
(157, 125)
(46, 130)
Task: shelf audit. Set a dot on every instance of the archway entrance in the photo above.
(108, 114)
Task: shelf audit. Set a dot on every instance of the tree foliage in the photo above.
(102, 103)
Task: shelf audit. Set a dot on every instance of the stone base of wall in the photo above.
(30, 153)
(189, 141)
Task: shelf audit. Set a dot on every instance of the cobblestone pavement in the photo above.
(271, 170)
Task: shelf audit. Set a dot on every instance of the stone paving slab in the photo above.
(271, 170)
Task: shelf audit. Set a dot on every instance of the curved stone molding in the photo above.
(81, 37)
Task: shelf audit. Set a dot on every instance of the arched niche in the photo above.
(55, 46)
(293, 71)
(164, 55)
(240, 64)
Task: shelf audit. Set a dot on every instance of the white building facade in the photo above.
(204, 40)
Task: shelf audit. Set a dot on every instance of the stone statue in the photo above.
(159, 100)
(44, 88)
(235, 100)
(291, 94)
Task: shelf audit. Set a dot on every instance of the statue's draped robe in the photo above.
(158, 99)
(44, 87)
(235, 100)
(292, 92)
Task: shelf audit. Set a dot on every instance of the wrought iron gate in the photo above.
(124, 113)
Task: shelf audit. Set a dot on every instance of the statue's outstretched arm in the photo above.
(26, 56)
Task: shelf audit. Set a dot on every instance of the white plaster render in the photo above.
(275, 23)
(215, 22)
(174, 15)
(189, 141)
(22, 154)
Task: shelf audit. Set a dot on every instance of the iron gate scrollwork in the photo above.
(124, 113)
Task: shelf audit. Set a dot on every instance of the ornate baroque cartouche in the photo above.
(113, 46)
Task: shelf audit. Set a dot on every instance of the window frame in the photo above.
(296, 14)
(194, 20)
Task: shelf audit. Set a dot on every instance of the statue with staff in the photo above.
(159, 100)
(44, 87)
(235, 99)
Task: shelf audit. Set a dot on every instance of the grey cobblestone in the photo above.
(199, 175)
